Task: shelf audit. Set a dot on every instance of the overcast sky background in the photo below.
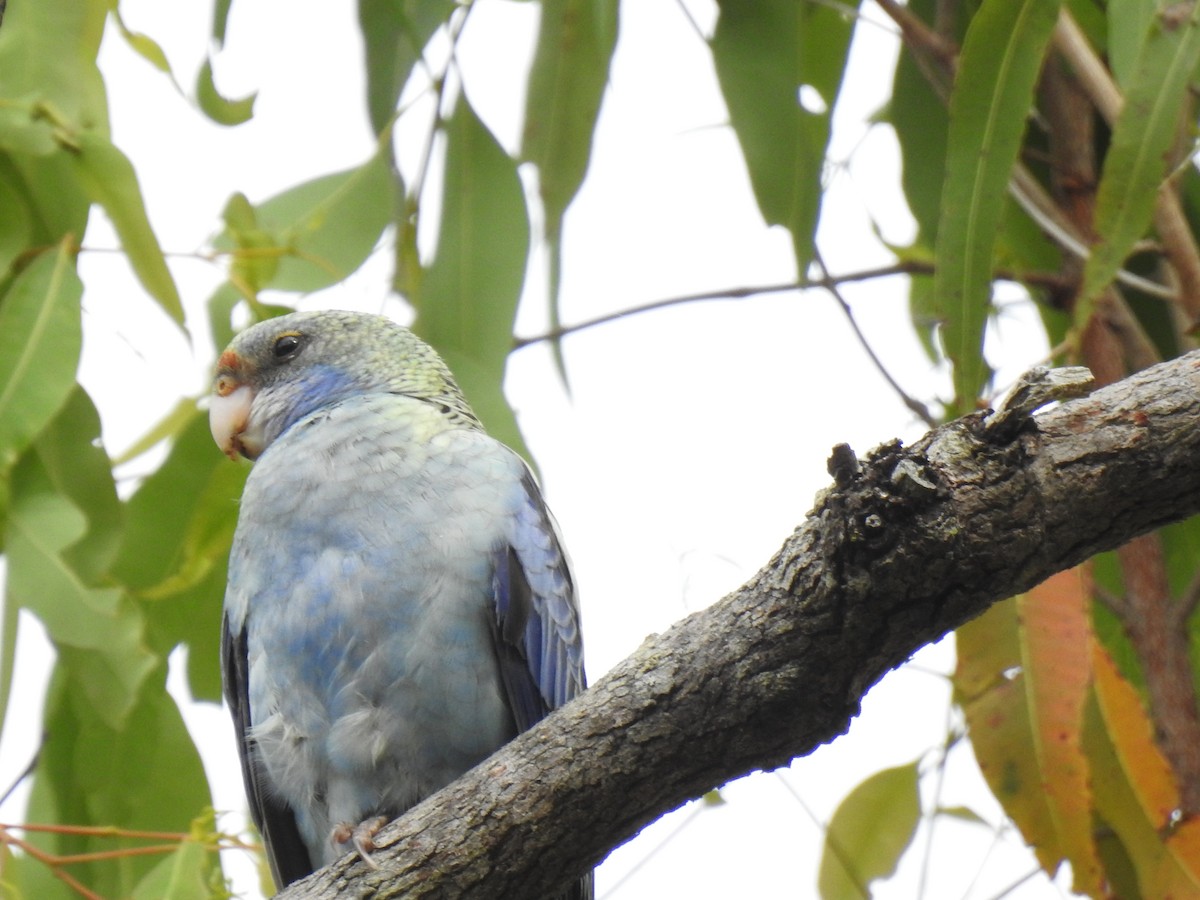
(694, 438)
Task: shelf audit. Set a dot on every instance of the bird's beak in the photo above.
(229, 413)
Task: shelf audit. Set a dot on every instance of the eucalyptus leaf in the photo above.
(109, 179)
(1140, 158)
(394, 34)
(40, 341)
(222, 110)
(468, 298)
(98, 631)
(769, 56)
(992, 96)
(869, 832)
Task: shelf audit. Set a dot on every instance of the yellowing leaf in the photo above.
(1159, 868)
(1183, 848)
(1056, 641)
(1132, 736)
(992, 688)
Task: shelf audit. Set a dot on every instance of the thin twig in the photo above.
(1048, 280)
(1032, 198)
(1187, 603)
(25, 773)
(736, 293)
(913, 404)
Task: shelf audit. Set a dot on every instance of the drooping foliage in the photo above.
(1044, 143)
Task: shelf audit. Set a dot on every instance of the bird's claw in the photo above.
(362, 836)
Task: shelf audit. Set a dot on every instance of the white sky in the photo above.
(694, 439)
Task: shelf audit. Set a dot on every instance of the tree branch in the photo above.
(1048, 280)
(904, 549)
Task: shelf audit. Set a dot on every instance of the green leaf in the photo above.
(109, 180)
(180, 521)
(869, 833)
(220, 314)
(1139, 157)
(963, 814)
(56, 203)
(144, 775)
(70, 451)
(320, 231)
(566, 84)
(394, 34)
(179, 416)
(40, 339)
(16, 225)
(993, 93)
(221, 110)
(98, 632)
(192, 616)
(468, 298)
(1128, 23)
(186, 874)
(48, 56)
(766, 53)
(143, 45)
(254, 253)
(923, 314)
(220, 20)
(921, 122)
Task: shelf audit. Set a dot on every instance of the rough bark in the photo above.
(902, 549)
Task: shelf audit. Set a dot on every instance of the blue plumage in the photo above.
(399, 604)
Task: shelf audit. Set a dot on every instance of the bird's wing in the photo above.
(286, 851)
(537, 635)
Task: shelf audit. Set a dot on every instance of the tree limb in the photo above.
(904, 548)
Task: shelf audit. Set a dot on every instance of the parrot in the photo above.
(399, 603)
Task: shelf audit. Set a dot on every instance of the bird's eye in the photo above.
(286, 346)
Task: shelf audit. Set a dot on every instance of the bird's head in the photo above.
(278, 371)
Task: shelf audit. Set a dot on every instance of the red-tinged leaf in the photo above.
(1056, 641)
(992, 689)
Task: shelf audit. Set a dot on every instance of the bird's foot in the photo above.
(362, 836)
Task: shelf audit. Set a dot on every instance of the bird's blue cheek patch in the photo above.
(318, 386)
